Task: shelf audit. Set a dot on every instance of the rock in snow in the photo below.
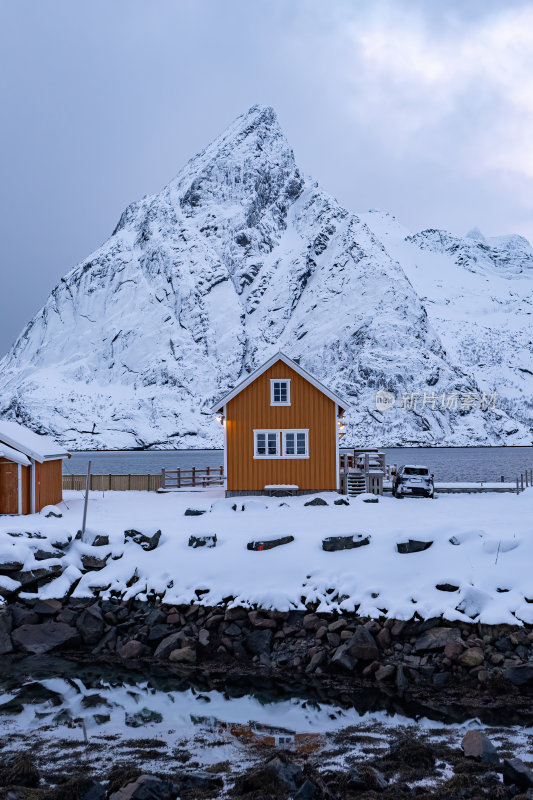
(241, 256)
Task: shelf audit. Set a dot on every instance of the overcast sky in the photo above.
(421, 108)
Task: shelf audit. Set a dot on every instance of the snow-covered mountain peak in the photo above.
(239, 256)
(475, 233)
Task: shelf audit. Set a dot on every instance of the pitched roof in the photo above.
(14, 455)
(290, 363)
(33, 445)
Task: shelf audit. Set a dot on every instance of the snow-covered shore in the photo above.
(489, 560)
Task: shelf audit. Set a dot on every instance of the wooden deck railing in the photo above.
(168, 479)
(179, 478)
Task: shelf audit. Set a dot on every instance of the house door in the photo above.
(8, 488)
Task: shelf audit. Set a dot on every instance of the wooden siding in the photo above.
(251, 410)
(26, 490)
(48, 483)
(8, 487)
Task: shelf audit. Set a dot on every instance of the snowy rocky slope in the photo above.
(478, 293)
(240, 256)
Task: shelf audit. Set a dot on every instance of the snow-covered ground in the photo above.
(489, 558)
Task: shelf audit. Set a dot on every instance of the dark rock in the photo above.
(183, 655)
(477, 745)
(366, 777)
(333, 543)
(412, 546)
(22, 615)
(6, 645)
(92, 563)
(342, 501)
(235, 612)
(10, 566)
(100, 540)
(472, 657)
(80, 789)
(515, 771)
(131, 650)
(277, 774)
(53, 512)
(436, 638)
(385, 673)
(447, 587)
(269, 544)
(146, 541)
(439, 679)
(342, 658)
(90, 624)
(37, 576)
(44, 555)
(521, 675)
(374, 499)
(39, 639)
(258, 642)
(195, 512)
(308, 790)
(170, 643)
(206, 540)
(362, 645)
(159, 631)
(142, 717)
(316, 501)
(47, 607)
(20, 771)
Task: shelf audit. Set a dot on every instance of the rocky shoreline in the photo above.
(448, 672)
(433, 659)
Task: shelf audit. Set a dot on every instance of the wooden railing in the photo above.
(180, 478)
(168, 479)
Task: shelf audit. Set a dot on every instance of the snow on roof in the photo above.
(14, 455)
(343, 406)
(41, 448)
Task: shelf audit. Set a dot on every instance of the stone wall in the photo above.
(389, 652)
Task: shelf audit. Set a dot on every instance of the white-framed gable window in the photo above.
(281, 443)
(280, 392)
(296, 444)
(266, 444)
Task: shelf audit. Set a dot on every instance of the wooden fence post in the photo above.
(517, 487)
(163, 478)
(179, 478)
(194, 476)
(522, 481)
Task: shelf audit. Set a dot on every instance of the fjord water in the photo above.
(448, 463)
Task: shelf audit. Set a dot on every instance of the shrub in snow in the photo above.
(412, 546)
(316, 501)
(224, 504)
(51, 511)
(145, 540)
(206, 540)
(333, 543)
(254, 505)
(269, 544)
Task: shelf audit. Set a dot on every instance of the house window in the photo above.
(295, 444)
(280, 392)
(266, 444)
(281, 444)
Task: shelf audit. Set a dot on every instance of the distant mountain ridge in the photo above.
(241, 255)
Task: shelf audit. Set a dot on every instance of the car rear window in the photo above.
(416, 471)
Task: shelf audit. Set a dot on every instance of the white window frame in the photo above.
(295, 431)
(266, 431)
(280, 443)
(276, 402)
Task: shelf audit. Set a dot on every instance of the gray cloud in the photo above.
(424, 109)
